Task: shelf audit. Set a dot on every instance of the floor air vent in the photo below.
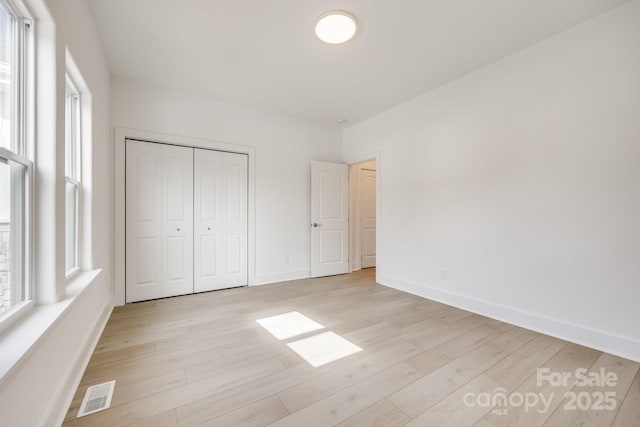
(97, 398)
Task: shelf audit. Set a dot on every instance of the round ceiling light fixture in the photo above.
(336, 27)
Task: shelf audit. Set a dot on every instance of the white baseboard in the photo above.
(65, 396)
(603, 341)
(266, 279)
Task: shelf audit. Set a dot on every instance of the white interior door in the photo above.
(220, 257)
(368, 217)
(329, 219)
(177, 212)
(234, 219)
(208, 226)
(143, 221)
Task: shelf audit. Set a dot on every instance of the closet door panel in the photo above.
(143, 221)
(234, 203)
(208, 220)
(177, 236)
(208, 262)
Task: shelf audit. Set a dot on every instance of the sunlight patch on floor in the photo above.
(323, 348)
(289, 325)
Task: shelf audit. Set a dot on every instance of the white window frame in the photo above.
(73, 168)
(20, 216)
(20, 152)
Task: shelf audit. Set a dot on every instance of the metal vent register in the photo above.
(97, 398)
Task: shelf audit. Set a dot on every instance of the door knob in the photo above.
(178, 229)
(315, 224)
(209, 228)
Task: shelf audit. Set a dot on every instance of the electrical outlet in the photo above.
(286, 259)
(444, 275)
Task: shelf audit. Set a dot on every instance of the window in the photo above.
(72, 176)
(15, 167)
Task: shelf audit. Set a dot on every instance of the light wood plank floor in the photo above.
(204, 360)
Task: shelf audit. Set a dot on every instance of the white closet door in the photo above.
(177, 218)
(208, 226)
(143, 221)
(234, 219)
(186, 220)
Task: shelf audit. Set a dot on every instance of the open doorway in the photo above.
(362, 215)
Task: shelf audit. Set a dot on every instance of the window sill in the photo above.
(15, 314)
(23, 336)
(71, 275)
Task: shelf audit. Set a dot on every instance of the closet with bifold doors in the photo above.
(186, 220)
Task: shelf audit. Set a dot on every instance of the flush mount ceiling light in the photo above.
(336, 27)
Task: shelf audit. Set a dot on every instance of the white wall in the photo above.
(522, 181)
(38, 389)
(284, 149)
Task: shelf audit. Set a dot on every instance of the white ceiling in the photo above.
(263, 53)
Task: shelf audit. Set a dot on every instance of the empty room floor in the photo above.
(205, 360)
